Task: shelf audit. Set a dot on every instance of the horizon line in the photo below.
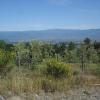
(48, 29)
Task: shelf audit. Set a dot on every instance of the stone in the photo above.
(1, 98)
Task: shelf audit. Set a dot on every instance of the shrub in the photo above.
(3, 59)
(76, 73)
(97, 70)
(48, 85)
(57, 69)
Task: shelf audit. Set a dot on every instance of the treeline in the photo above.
(33, 53)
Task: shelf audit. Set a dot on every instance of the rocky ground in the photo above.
(75, 94)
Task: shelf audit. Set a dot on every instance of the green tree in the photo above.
(82, 56)
(22, 54)
(2, 44)
(59, 49)
(47, 50)
(87, 41)
(70, 56)
(97, 45)
(5, 59)
(36, 53)
(71, 46)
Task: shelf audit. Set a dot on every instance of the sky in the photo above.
(21, 15)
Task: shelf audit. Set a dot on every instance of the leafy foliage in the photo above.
(57, 69)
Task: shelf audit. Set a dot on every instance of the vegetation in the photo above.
(36, 65)
(57, 69)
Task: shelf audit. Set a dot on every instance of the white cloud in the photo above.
(22, 27)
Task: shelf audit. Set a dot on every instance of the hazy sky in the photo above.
(49, 14)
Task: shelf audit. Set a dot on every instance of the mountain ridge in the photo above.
(50, 34)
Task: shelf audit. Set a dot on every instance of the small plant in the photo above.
(57, 69)
(97, 70)
(48, 85)
(76, 73)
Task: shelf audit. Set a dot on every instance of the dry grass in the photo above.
(26, 81)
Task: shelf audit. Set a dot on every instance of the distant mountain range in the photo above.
(50, 35)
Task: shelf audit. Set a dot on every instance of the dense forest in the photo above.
(37, 65)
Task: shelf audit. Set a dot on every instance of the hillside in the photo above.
(54, 35)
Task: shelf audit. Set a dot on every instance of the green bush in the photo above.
(97, 70)
(57, 69)
(3, 58)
